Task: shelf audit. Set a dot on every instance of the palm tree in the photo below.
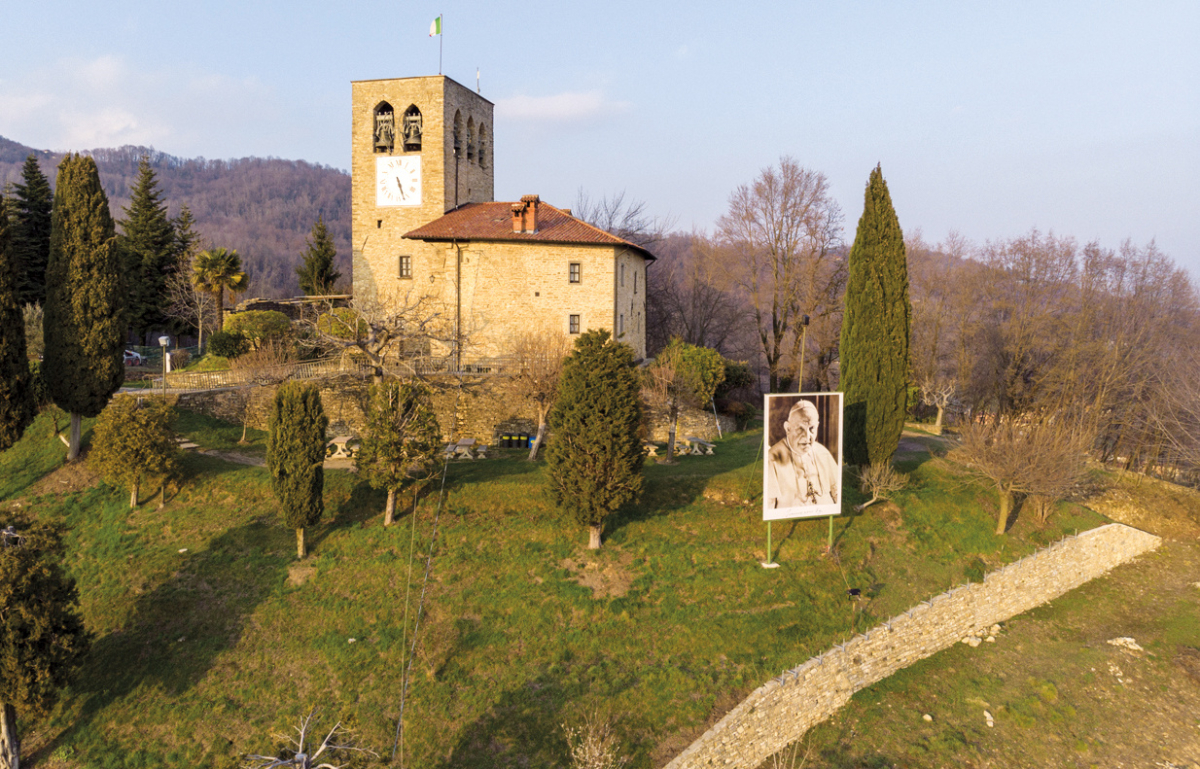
(218, 269)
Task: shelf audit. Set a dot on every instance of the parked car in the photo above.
(132, 358)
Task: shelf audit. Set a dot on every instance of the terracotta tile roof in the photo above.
(493, 221)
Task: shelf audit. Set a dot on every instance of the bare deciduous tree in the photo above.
(783, 232)
(1045, 459)
(627, 220)
(537, 358)
(187, 305)
(388, 329)
(267, 365)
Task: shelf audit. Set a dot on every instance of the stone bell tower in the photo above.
(420, 146)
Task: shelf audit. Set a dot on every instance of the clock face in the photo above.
(398, 180)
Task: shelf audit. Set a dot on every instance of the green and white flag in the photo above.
(435, 27)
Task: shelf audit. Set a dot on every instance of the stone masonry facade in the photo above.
(782, 710)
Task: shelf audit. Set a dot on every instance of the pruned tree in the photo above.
(134, 441)
(880, 481)
(85, 298)
(681, 374)
(595, 460)
(42, 636)
(537, 362)
(303, 754)
(316, 272)
(216, 271)
(17, 408)
(782, 233)
(402, 440)
(938, 393)
(296, 456)
(260, 326)
(875, 332)
(1045, 459)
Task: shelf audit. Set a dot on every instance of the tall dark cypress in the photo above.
(148, 250)
(16, 399)
(316, 272)
(875, 332)
(85, 297)
(296, 456)
(31, 208)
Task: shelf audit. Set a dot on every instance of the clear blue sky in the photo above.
(1081, 118)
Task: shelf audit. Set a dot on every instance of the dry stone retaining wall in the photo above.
(482, 411)
(782, 710)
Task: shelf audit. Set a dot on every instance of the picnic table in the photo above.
(699, 446)
(461, 449)
(342, 447)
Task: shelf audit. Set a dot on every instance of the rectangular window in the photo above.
(406, 267)
(574, 271)
(635, 281)
(622, 276)
(621, 323)
(574, 324)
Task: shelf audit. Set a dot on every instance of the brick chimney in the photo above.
(525, 214)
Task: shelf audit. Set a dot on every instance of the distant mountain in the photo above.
(263, 207)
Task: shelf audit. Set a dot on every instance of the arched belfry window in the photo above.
(384, 127)
(482, 146)
(457, 134)
(411, 130)
(470, 138)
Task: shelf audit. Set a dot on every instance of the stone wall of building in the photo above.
(782, 710)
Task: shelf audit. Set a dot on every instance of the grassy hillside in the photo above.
(210, 637)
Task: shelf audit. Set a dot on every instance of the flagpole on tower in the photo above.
(436, 29)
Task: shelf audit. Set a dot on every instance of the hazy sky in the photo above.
(992, 119)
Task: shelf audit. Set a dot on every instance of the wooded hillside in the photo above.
(263, 207)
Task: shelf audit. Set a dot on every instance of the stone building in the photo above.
(426, 228)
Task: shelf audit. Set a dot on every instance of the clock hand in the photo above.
(401, 186)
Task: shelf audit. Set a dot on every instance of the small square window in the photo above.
(574, 272)
(573, 322)
(406, 267)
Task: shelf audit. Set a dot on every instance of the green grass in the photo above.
(210, 638)
(210, 433)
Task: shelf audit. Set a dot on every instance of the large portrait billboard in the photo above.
(802, 469)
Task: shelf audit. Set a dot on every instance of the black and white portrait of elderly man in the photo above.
(802, 477)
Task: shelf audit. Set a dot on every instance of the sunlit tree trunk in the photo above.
(10, 745)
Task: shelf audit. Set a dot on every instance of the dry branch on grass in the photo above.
(593, 745)
(337, 740)
(882, 480)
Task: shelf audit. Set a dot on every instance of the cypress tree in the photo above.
(875, 332)
(296, 456)
(316, 273)
(595, 457)
(16, 396)
(31, 210)
(148, 248)
(85, 298)
(42, 637)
